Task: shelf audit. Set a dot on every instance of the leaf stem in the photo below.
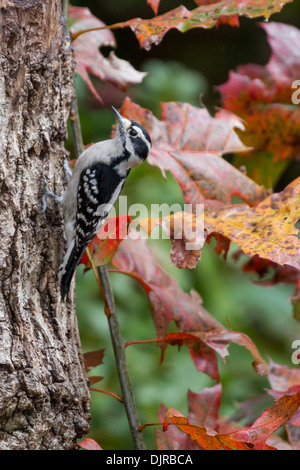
(99, 28)
(145, 425)
(110, 310)
(135, 276)
(130, 343)
(107, 393)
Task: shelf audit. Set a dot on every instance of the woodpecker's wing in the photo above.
(99, 186)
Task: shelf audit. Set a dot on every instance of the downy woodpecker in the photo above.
(96, 182)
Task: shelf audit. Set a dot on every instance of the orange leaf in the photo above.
(149, 32)
(267, 230)
(269, 421)
(196, 433)
(199, 434)
(106, 242)
(253, 437)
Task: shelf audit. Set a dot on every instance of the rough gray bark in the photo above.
(44, 397)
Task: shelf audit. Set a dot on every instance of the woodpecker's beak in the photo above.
(123, 125)
(118, 116)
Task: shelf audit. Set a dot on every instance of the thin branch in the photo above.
(76, 128)
(65, 11)
(110, 310)
(106, 308)
(121, 363)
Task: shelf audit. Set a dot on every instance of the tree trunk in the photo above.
(44, 397)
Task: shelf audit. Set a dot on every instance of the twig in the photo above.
(110, 310)
(65, 11)
(119, 350)
(106, 308)
(76, 128)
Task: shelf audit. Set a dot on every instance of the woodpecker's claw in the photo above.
(48, 193)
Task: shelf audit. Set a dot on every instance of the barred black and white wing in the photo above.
(99, 187)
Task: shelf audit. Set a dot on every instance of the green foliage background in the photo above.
(185, 67)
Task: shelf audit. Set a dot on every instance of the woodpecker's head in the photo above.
(135, 140)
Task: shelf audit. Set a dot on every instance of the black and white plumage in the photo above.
(96, 182)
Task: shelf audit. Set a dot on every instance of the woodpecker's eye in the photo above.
(133, 132)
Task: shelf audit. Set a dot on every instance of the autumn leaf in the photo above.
(151, 32)
(269, 421)
(267, 230)
(286, 381)
(283, 378)
(262, 97)
(202, 334)
(207, 440)
(189, 143)
(105, 243)
(154, 5)
(93, 359)
(172, 438)
(168, 301)
(89, 59)
(196, 433)
(219, 340)
(187, 234)
(204, 406)
(203, 410)
(251, 438)
(88, 444)
(232, 20)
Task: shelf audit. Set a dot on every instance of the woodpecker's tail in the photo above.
(66, 271)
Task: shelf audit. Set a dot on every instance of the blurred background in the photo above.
(184, 67)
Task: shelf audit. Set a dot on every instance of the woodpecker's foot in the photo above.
(68, 172)
(48, 193)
